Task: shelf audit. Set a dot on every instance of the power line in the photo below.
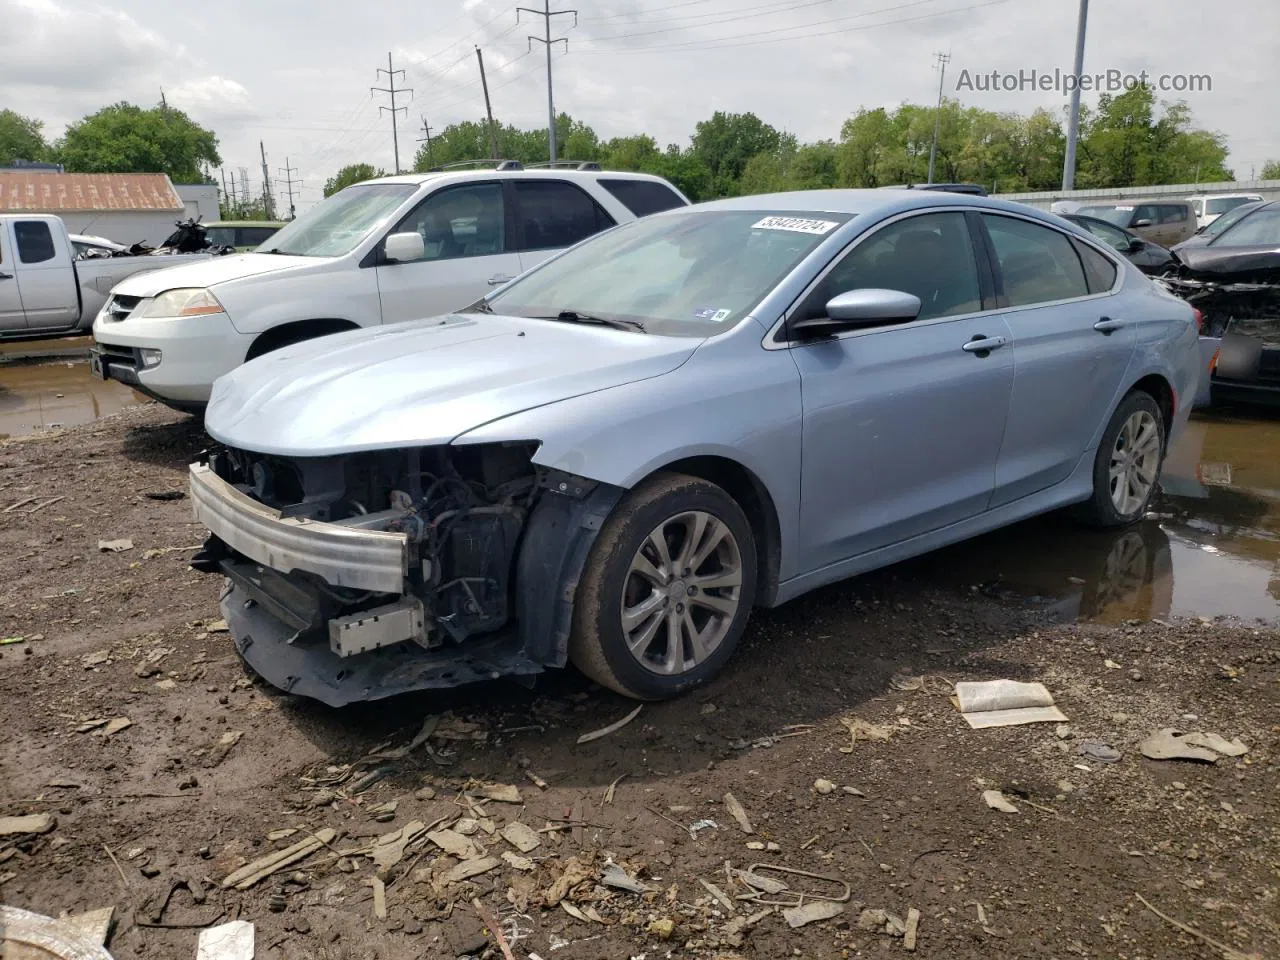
(729, 42)
(391, 91)
(547, 13)
(746, 13)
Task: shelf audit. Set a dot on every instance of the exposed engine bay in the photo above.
(460, 516)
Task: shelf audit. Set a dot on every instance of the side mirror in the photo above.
(1136, 244)
(861, 308)
(1144, 222)
(404, 247)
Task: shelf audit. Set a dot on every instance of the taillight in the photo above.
(1199, 320)
(1213, 363)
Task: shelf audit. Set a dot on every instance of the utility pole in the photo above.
(392, 92)
(243, 198)
(1073, 121)
(224, 183)
(232, 203)
(488, 107)
(547, 13)
(942, 59)
(426, 130)
(289, 181)
(164, 104)
(268, 202)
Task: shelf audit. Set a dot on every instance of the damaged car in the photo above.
(1234, 281)
(613, 459)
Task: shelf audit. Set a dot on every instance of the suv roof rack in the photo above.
(570, 164)
(497, 165)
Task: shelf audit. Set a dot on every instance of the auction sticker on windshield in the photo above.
(795, 225)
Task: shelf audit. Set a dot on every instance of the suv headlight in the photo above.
(186, 302)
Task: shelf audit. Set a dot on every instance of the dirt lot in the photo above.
(175, 798)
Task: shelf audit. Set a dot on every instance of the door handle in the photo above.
(1108, 325)
(6, 276)
(498, 281)
(984, 345)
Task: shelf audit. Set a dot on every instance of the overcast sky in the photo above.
(296, 73)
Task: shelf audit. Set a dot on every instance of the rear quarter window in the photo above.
(1099, 271)
(643, 197)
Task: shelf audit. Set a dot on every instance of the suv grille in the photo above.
(119, 307)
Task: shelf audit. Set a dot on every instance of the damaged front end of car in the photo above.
(366, 575)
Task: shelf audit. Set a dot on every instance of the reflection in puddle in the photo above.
(1210, 547)
(44, 396)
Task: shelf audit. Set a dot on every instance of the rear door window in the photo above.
(1172, 213)
(555, 213)
(35, 241)
(643, 197)
(1038, 264)
(1100, 273)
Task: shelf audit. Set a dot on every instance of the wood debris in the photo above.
(913, 927)
(454, 843)
(259, 869)
(471, 868)
(501, 793)
(736, 811)
(32, 824)
(611, 728)
(521, 836)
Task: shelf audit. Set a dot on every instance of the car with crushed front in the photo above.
(612, 460)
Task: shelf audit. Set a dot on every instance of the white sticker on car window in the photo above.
(1124, 208)
(795, 225)
(720, 315)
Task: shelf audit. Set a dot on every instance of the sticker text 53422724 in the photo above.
(795, 225)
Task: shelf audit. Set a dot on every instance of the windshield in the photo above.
(1223, 204)
(1231, 216)
(336, 225)
(1260, 229)
(1112, 214)
(682, 274)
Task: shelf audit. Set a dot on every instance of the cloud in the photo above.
(212, 100)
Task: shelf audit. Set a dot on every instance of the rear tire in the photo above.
(667, 589)
(1127, 465)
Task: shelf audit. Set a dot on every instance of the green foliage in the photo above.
(1271, 170)
(352, 173)
(124, 138)
(727, 142)
(21, 138)
(240, 210)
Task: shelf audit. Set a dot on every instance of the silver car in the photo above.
(614, 458)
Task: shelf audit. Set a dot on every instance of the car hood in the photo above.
(208, 273)
(1253, 264)
(423, 382)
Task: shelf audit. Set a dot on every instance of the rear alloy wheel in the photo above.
(667, 590)
(1127, 465)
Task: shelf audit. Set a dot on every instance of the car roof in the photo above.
(1225, 196)
(869, 202)
(245, 223)
(418, 179)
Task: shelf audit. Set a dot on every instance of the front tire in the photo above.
(667, 589)
(1127, 465)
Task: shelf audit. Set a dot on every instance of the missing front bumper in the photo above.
(310, 669)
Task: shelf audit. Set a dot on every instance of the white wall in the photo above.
(200, 199)
(124, 226)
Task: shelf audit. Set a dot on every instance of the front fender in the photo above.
(735, 401)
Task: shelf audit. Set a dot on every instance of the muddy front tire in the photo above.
(667, 589)
(1126, 468)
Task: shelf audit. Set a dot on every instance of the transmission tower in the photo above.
(287, 173)
(547, 13)
(393, 91)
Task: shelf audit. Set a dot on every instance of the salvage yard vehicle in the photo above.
(47, 286)
(1235, 281)
(1146, 256)
(1210, 207)
(1165, 222)
(613, 459)
(383, 251)
(244, 235)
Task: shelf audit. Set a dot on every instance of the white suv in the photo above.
(383, 251)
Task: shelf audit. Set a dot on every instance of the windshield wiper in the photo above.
(274, 250)
(573, 316)
(480, 306)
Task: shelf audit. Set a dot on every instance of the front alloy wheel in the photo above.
(682, 594)
(667, 589)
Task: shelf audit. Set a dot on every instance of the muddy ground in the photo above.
(171, 799)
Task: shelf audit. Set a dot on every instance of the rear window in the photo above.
(35, 241)
(252, 236)
(643, 197)
(1223, 204)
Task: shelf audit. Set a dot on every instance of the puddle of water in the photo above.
(1210, 548)
(58, 393)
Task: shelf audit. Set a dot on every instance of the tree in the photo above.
(21, 138)
(726, 143)
(351, 173)
(124, 138)
(1271, 170)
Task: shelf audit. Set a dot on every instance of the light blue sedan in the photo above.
(614, 458)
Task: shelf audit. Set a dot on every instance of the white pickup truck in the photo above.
(384, 251)
(45, 291)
